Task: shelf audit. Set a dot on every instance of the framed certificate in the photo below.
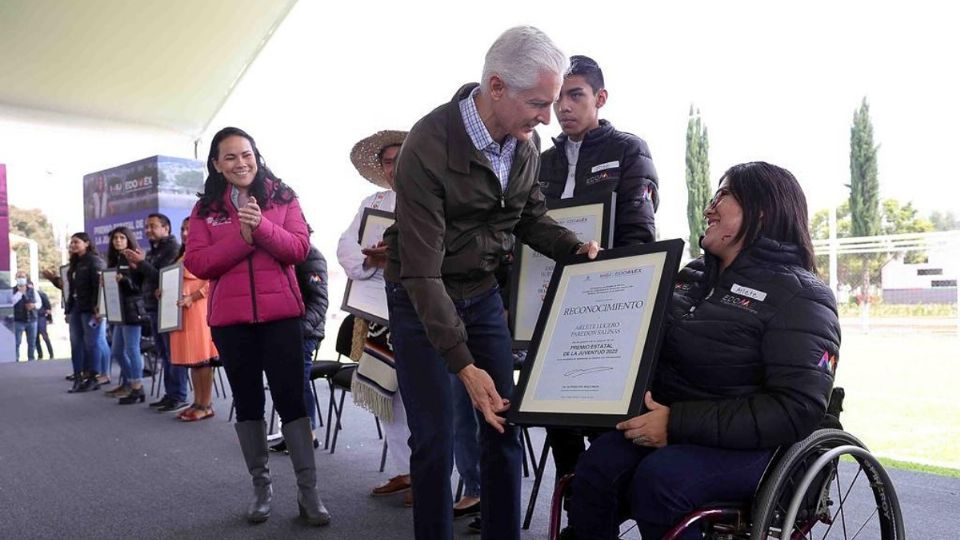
(65, 284)
(169, 313)
(110, 297)
(597, 338)
(591, 218)
(367, 298)
(101, 300)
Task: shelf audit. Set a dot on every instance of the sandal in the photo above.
(198, 413)
(188, 410)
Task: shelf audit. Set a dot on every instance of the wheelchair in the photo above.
(815, 488)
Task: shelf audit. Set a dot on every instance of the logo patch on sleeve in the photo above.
(828, 362)
(748, 292)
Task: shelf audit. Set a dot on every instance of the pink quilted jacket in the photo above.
(249, 283)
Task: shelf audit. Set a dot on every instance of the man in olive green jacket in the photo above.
(466, 186)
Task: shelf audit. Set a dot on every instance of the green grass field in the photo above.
(902, 396)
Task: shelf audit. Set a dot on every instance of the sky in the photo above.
(773, 81)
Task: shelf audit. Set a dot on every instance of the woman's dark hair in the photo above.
(773, 207)
(91, 247)
(183, 239)
(211, 200)
(113, 256)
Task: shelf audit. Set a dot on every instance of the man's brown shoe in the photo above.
(397, 484)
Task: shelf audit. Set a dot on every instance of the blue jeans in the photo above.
(174, 377)
(126, 349)
(309, 345)
(31, 329)
(428, 398)
(616, 480)
(88, 344)
(466, 442)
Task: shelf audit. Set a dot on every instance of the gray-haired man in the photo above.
(466, 186)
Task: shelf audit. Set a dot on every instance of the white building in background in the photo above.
(932, 282)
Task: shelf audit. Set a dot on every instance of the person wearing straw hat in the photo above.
(466, 187)
(374, 157)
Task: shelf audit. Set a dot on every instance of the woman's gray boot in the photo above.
(299, 440)
(253, 442)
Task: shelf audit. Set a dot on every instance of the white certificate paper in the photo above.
(597, 330)
(536, 269)
(367, 298)
(169, 314)
(110, 296)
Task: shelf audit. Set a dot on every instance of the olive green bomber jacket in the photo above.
(454, 222)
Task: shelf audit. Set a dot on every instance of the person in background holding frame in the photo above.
(374, 158)
(589, 158)
(192, 345)
(248, 253)
(163, 251)
(126, 336)
(87, 332)
(466, 184)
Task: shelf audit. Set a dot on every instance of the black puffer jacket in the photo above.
(312, 279)
(609, 160)
(84, 277)
(161, 254)
(748, 357)
(131, 295)
(20, 311)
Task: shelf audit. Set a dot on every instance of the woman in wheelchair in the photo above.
(746, 366)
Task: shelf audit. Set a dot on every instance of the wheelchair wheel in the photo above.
(827, 486)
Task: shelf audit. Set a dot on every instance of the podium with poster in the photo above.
(125, 195)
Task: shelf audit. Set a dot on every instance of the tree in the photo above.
(698, 178)
(944, 221)
(33, 224)
(864, 185)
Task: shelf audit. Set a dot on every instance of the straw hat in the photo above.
(366, 155)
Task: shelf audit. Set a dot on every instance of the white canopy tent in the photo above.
(168, 65)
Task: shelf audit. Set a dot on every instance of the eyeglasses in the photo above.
(717, 197)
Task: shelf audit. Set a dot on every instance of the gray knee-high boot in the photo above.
(299, 439)
(253, 442)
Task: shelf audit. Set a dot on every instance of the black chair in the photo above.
(342, 379)
(326, 369)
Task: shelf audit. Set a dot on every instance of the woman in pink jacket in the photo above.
(246, 234)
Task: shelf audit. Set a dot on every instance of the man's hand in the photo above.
(591, 248)
(134, 256)
(650, 428)
(483, 394)
(376, 255)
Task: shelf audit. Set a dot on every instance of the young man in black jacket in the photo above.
(591, 157)
(164, 248)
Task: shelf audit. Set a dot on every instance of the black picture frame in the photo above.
(367, 299)
(524, 288)
(663, 260)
